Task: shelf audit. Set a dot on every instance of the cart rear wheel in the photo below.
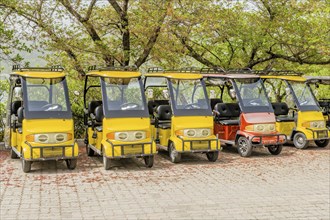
(275, 149)
(322, 143)
(149, 161)
(174, 154)
(13, 155)
(212, 156)
(89, 151)
(244, 147)
(300, 141)
(26, 165)
(106, 163)
(71, 163)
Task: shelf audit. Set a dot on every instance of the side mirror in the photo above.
(287, 91)
(20, 115)
(150, 93)
(232, 93)
(212, 94)
(165, 94)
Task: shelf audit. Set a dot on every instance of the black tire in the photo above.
(244, 147)
(13, 155)
(90, 152)
(212, 156)
(175, 156)
(26, 165)
(106, 163)
(322, 143)
(275, 149)
(300, 141)
(71, 163)
(149, 161)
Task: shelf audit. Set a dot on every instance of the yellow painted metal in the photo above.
(285, 127)
(111, 125)
(284, 77)
(189, 122)
(45, 126)
(309, 117)
(40, 74)
(176, 75)
(114, 74)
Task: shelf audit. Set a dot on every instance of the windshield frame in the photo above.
(304, 108)
(124, 113)
(189, 112)
(46, 114)
(252, 109)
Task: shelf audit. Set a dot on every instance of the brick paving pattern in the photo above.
(295, 184)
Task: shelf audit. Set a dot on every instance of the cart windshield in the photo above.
(189, 97)
(252, 95)
(305, 99)
(46, 98)
(123, 97)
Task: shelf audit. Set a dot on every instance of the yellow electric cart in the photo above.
(39, 117)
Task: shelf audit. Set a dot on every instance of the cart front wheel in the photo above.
(106, 163)
(26, 165)
(275, 149)
(149, 161)
(212, 156)
(71, 163)
(244, 147)
(300, 141)
(174, 154)
(13, 155)
(322, 143)
(89, 151)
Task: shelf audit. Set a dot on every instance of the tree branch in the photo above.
(152, 40)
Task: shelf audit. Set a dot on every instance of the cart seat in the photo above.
(228, 113)
(281, 111)
(213, 102)
(153, 105)
(15, 106)
(165, 125)
(163, 116)
(229, 122)
(284, 119)
(98, 116)
(92, 106)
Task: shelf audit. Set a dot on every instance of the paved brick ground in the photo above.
(294, 185)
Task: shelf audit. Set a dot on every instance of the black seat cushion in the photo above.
(152, 105)
(92, 106)
(280, 108)
(20, 115)
(165, 125)
(229, 110)
(99, 113)
(229, 122)
(213, 102)
(15, 106)
(284, 119)
(164, 112)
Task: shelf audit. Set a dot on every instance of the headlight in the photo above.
(196, 133)
(314, 124)
(49, 138)
(128, 135)
(261, 127)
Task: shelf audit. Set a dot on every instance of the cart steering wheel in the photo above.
(254, 102)
(129, 105)
(52, 107)
(193, 106)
